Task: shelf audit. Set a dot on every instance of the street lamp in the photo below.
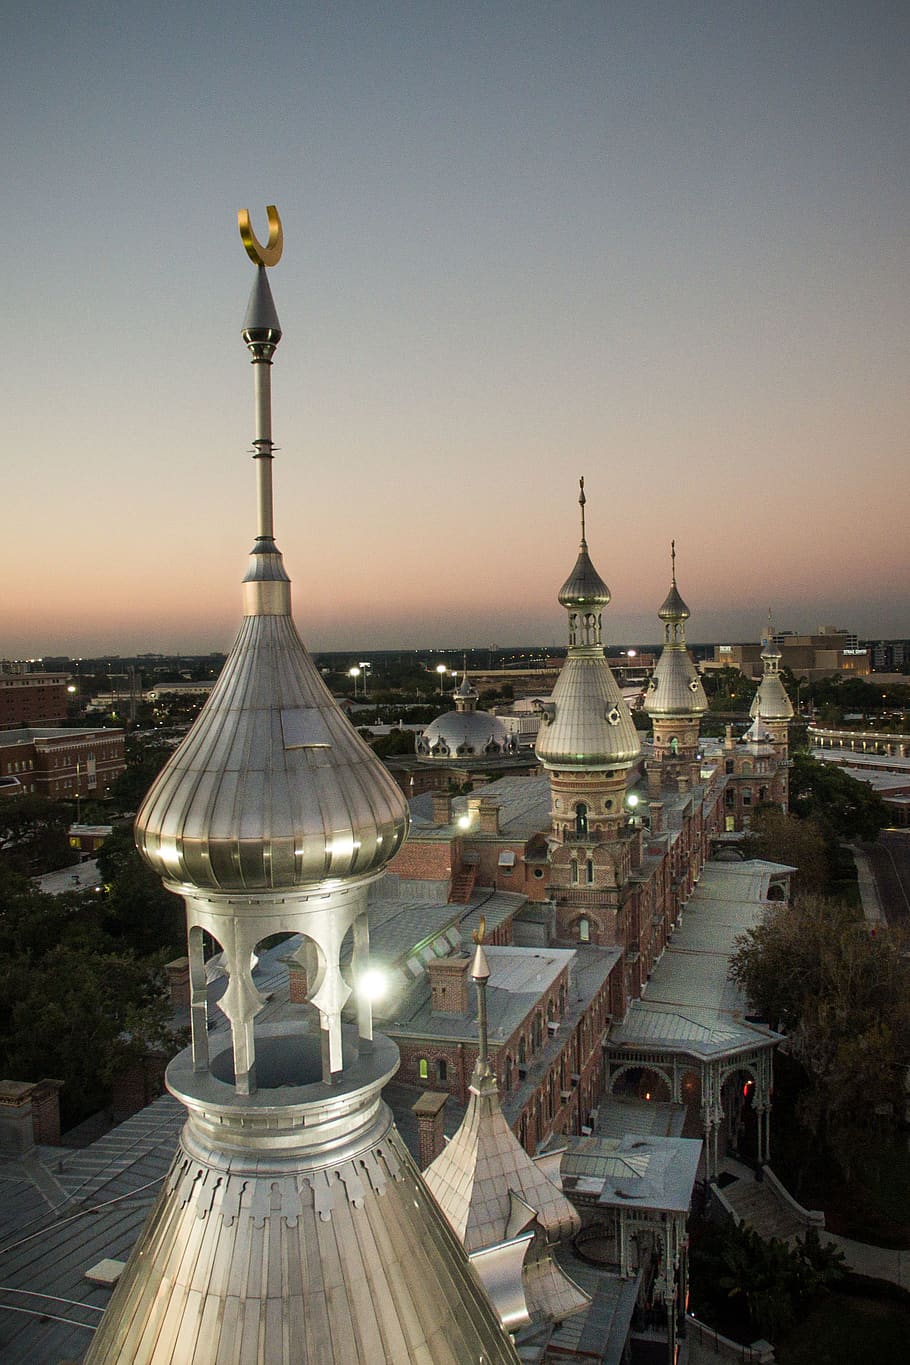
(355, 674)
(442, 671)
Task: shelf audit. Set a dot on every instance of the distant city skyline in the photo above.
(660, 245)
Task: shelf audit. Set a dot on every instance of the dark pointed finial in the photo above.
(581, 502)
(673, 559)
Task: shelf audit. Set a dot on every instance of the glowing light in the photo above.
(373, 984)
(464, 821)
(632, 799)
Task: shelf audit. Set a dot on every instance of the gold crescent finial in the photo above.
(581, 502)
(259, 254)
(480, 932)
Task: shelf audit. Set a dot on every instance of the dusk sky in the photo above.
(661, 245)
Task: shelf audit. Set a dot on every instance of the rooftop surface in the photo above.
(692, 1005)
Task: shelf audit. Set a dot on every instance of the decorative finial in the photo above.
(480, 932)
(270, 254)
(581, 502)
(673, 559)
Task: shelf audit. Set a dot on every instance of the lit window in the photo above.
(584, 930)
(423, 1069)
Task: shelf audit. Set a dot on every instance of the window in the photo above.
(581, 820)
(423, 1069)
(442, 1070)
(729, 766)
(589, 869)
(575, 870)
(584, 930)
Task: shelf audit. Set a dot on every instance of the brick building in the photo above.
(32, 698)
(60, 764)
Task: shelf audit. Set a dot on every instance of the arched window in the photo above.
(507, 1078)
(584, 930)
(442, 1070)
(589, 871)
(575, 870)
(423, 1069)
(581, 820)
(522, 1052)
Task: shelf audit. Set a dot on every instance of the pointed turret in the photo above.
(587, 743)
(294, 1227)
(771, 700)
(675, 698)
(505, 1210)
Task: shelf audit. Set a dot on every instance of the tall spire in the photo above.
(273, 817)
(581, 502)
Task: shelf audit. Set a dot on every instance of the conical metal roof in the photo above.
(492, 1193)
(586, 721)
(297, 1231)
(675, 689)
(771, 701)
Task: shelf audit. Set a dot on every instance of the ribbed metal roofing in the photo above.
(465, 733)
(349, 1265)
(771, 701)
(587, 722)
(272, 787)
(673, 607)
(675, 688)
(584, 588)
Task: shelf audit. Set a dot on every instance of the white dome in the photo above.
(465, 734)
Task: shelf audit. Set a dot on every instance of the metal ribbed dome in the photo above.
(470, 734)
(771, 701)
(675, 688)
(674, 608)
(272, 787)
(584, 587)
(587, 721)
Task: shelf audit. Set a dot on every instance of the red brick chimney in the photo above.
(429, 1112)
(178, 982)
(442, 808)
(449, 984)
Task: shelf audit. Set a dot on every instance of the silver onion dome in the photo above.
(675, 688)
(771, 701)
(587, 720)
(272, 788)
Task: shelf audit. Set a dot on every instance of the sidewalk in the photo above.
(868, 892)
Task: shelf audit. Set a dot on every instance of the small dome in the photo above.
(770, 650)
(584, 587)
(674, 608)
(465, 734)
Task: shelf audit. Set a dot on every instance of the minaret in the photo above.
(500, 1202)
(587, 743)
(771, 702)
(294, 1225)
(675, 699)
(465, 693)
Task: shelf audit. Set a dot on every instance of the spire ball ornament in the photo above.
(270, 254)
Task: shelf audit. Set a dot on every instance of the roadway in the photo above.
(889, 858)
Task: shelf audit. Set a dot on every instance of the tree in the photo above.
(82, 1017)
(33, 834)
(803, 844)
(137, 911)
(848, 808)
(842, 994)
